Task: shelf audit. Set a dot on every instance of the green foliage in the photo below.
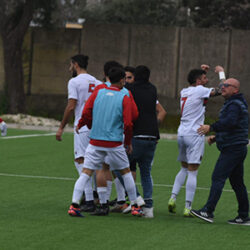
(219, 13)
(129, 11)
(197, 13)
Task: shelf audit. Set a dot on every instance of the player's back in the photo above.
(80, 88)
(192, 104)
(107, 122)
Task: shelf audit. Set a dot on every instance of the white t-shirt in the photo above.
(80, 88)
(193, 100)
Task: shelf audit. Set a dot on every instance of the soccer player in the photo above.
(3, 127)
(80, 87)
(103, 176)
(190, 143)
(108, 112)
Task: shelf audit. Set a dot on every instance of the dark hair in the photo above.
(142, 73)
(111, 64)
(130, 69)
(82, 60)
(116, 74)
(194, 74)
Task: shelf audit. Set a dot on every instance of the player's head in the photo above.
(117, 76)
(197, 77)
(142, 73)
(110, 64)
(78, 62)
(130, 74)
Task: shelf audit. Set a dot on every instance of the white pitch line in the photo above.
(74, 179)
(37, 177)
(26, 136)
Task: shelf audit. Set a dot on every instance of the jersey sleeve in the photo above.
(72, 90)
(127, 120)
(203, 92)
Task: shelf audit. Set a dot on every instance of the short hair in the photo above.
(81, 60)
(111, 64)
(115, 74)
(130, 69)
(194, 74)
(142, 72)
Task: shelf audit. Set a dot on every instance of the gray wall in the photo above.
(170, 53)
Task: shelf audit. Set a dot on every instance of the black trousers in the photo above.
(229, 165)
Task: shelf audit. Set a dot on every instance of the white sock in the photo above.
(109, 189)
(79, 167)
(102, 193)
(191, 187)
(130, 187)
(178, 182)
(119, 190)
(89, 190)
(79, 187)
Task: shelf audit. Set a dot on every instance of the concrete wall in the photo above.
(170, 53)
(51, 53)
(1, 67)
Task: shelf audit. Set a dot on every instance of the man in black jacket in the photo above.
(145, 133)
(231, 139)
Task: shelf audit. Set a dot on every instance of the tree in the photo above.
(161, 12)
(15, 17)
(220, 13)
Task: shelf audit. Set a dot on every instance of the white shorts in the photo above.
(81, 141)
(191, 148)
(96, 156)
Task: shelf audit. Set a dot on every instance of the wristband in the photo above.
(222, 75)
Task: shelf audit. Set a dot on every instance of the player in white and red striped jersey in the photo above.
(80, 87)
(191, 145)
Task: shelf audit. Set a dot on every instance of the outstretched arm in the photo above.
(220, 70)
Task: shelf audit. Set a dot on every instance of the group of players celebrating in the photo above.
(105, 114)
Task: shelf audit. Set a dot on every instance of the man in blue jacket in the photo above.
(231, 138)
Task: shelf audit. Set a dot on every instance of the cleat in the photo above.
(88, 208)
(203, 215)
(3, 127)
(139, 201)
(118, 208)
(136, 211)
(172, 206)
(101, 210)
(187, 213)
(240, 221)
(75, 212)
(113, 202)
(148, 212)
(127, 210)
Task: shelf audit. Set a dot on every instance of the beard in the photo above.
(74, 73)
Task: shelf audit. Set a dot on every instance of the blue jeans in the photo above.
(143, 153)
(229, 165)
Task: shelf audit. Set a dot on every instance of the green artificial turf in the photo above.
(37, 176)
